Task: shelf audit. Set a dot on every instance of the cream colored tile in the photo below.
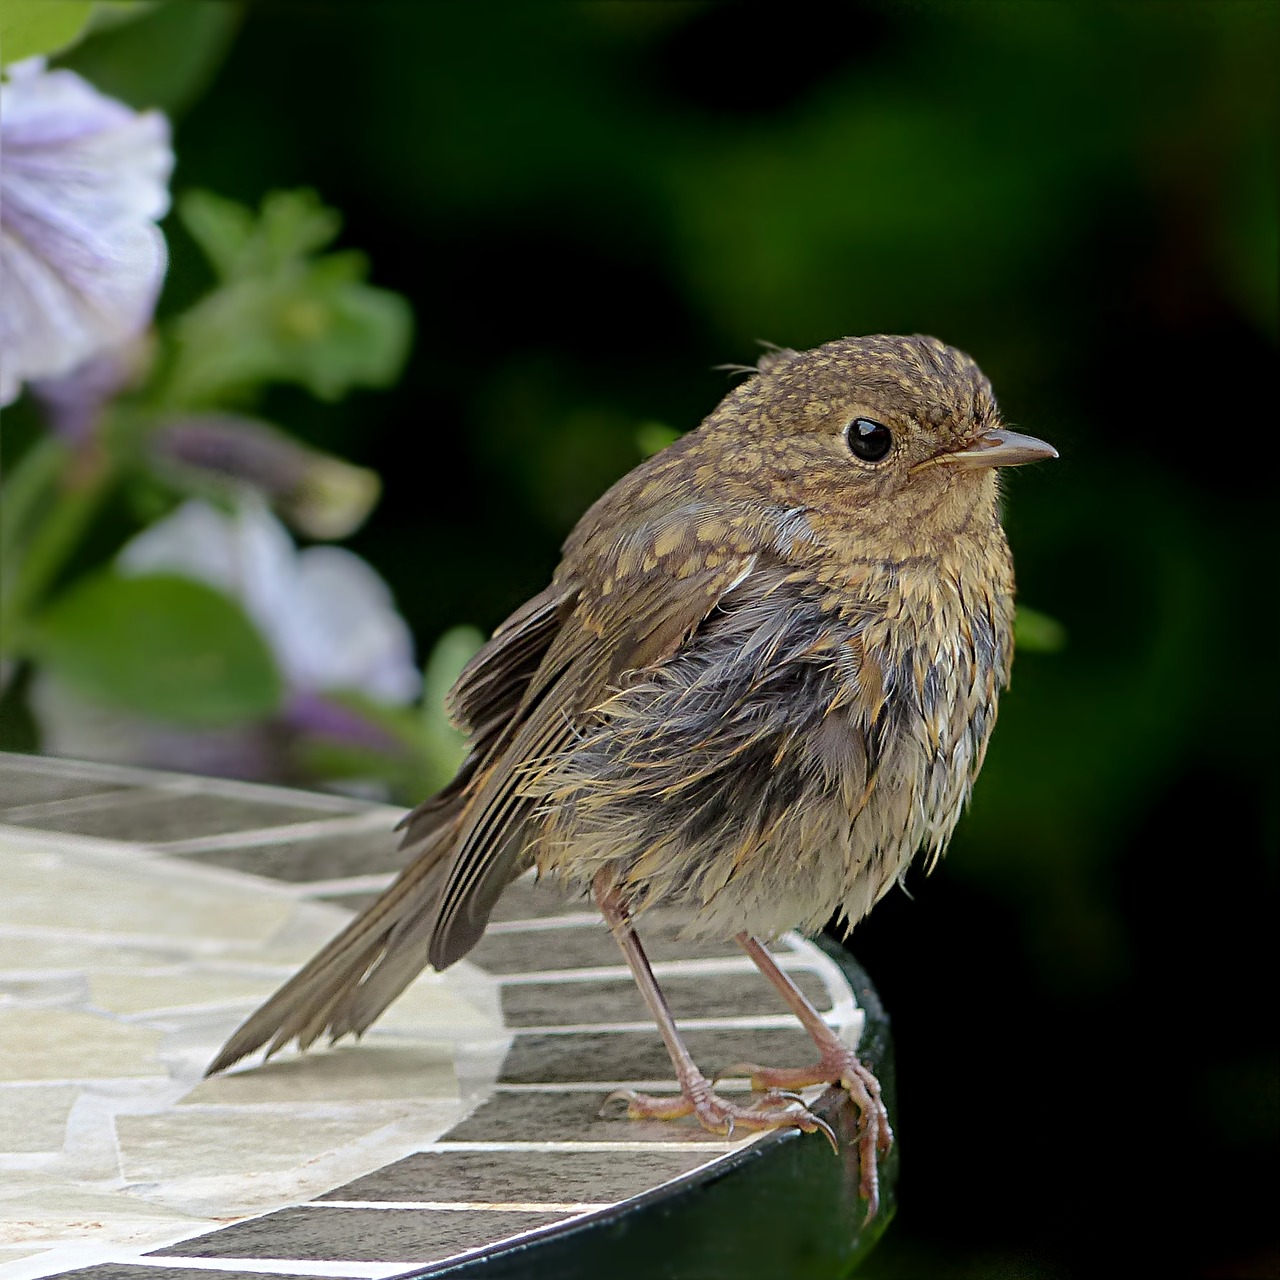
(17, 1254)
(35, 1119)
(348, 1073)
(179, 1145)
(130, 993)
(433, 1002)
(37, 1209)
(105, 894)
(49, 1044)
(30, 953)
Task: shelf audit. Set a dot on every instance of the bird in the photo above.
(761, 681)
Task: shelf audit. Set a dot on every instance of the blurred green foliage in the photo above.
(280, 314)
(590, 206)
(161, 646)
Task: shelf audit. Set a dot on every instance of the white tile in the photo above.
(35, 1118)
(49, 1044)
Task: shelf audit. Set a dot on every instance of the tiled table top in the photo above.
(143, 915)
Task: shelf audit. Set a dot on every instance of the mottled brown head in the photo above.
(906, 427)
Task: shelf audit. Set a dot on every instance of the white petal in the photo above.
(345, 633)
(328, 616)
(248, 554)
(82, 180)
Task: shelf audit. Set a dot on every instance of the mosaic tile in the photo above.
(49, 1044)
(35, 1119)
(529, 899)
(361, 1235)
(571, 1116)
(161, 816)
(123, 1271)
(109, 894)
(243, 1143)
(37, 1207)
(587, 947)
(20, 787)
(641, 1055)
(353, 902)
(17, 1254)
(357, 853)
(132, 993)
(619, 1000)
(437, 1003)
(347, 1073)
(521, 1177)
(172, 951)
(27, 953)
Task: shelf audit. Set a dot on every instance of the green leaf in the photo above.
(160, 646)
(443, 746)
(222, 228)
(281, 315)
(154, 55)
(291, 225)
(397, 761)
(31, 27)
(1036, 632)
(653, 437)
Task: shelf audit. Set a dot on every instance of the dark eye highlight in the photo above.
(868, 440)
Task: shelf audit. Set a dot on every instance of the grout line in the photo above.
(373, 883)
(726, 1084)
(229, 788)
(745, 1022)
(704, 967)
(313, 828)
(17, 815)
(197, 948)
(540, 924)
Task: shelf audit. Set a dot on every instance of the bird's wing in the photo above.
(352, 980)
(637, 599)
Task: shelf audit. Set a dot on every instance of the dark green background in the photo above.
(590, 205)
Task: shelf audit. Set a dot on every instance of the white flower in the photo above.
(329, 618)
(83, 179)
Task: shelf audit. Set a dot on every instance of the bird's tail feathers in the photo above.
(353, 979)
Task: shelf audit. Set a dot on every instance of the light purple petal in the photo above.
(328, 616)
(83, 179)
(343, 630)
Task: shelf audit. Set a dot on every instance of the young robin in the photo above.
(762, 678)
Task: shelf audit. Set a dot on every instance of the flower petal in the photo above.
(83, 179)
(328, 616)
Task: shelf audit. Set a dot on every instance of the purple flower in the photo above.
(327, 615)
(320, 495)
(83, 179)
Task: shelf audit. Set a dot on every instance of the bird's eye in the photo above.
(868, 440)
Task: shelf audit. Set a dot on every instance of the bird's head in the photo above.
(895, 433)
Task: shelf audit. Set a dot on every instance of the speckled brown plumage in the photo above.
(762, 678)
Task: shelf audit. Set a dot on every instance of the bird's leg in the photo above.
(838, 1065)
(697, 1096)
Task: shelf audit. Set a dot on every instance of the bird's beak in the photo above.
(999, 449)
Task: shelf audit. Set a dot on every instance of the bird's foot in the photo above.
(838, 1065)
(776, 1109)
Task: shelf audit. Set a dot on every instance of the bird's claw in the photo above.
(774, 1110)
(874, 1137)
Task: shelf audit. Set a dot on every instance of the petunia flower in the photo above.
(328, 617)
(320, 495)
(83, 181)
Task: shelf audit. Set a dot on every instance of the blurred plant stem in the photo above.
(46, 504)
